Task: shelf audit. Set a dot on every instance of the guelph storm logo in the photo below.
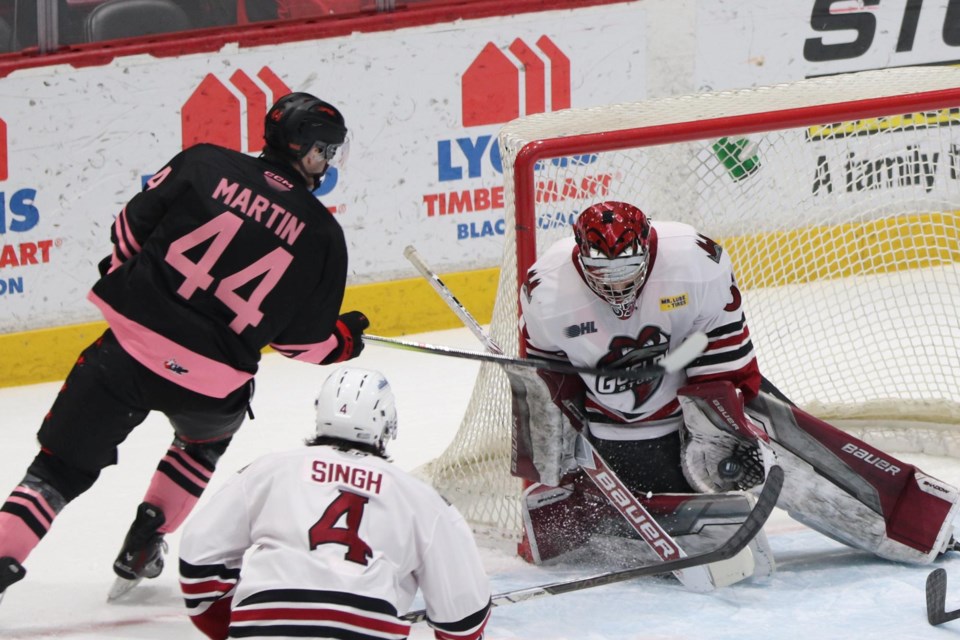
(630, 353)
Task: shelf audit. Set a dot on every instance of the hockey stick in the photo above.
(411, 254)
(751, 526)
(699, 578)
(675, 360)
(937, 598)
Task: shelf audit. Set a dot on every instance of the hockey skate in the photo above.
(142, 553)
(10, 571)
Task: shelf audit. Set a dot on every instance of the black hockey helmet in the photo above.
(298, 121)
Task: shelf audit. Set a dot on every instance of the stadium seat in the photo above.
(132, 18)
(7, 41)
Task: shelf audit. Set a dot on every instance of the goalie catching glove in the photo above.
(349, 334)
(834, 483)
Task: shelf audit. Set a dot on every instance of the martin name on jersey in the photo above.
(690, 286)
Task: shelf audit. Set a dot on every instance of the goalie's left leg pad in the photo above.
(834, 483)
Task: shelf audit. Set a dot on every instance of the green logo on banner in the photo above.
(738, 156)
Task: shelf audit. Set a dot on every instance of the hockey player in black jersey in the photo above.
(219, 256)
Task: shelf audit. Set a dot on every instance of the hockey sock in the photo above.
(26, 516)
(180, 479)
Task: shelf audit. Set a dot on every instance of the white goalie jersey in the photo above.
(690, 287)
(339, 543)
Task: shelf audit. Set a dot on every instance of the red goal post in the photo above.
(838, 199)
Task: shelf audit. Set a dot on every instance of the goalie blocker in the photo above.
(834, 483)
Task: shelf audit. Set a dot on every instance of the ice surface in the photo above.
(821, 589)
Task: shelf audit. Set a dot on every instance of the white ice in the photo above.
(820, 590)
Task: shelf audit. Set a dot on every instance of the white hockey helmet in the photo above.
(357, 405)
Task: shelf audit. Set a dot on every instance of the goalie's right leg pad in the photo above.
(557, 520)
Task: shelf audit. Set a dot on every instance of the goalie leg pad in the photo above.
(834, 483)
(558, 520)
(543, 434)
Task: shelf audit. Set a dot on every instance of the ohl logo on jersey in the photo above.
(626, 352)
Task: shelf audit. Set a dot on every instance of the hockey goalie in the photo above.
(691, 445)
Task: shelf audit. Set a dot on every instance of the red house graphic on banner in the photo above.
(213, 113)
(4, 152)
(492, 87)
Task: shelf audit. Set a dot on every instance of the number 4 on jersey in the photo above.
(326, 531)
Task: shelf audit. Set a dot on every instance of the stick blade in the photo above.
(937, 598)
(687, 352)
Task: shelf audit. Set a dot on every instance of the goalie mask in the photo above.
(357, 405)
(613, 238)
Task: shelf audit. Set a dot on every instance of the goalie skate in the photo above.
(142, 553)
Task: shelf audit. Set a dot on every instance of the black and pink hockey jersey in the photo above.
(221, 255)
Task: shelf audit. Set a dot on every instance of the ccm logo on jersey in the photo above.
(619, 494)
(673, 302)
(871, 459)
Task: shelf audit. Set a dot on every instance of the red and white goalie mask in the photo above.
(613, 238)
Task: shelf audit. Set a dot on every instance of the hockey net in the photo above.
(838, 200)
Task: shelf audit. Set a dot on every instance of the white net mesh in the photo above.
(844, 239)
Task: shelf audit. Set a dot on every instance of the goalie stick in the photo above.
(411, 254)
(937, 598)
(736, 543)
(700, 579)
(678, 358)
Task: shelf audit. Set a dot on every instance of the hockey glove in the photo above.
(349, 333)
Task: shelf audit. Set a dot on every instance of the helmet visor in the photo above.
(335, 154)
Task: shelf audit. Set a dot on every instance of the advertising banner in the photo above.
(423, 106)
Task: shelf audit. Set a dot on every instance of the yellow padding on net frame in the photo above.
(914, 241)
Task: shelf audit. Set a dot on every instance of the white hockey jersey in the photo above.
(690, 287)
(337, 544)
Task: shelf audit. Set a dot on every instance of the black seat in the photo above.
(132, 18)
(7, 41)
